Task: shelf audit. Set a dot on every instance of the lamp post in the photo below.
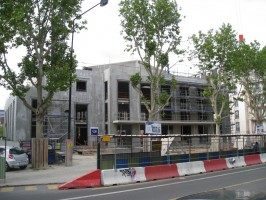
(101, 3)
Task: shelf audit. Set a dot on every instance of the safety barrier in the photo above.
(215, 165)
(141, 174)
(234, 162)
(92, 179)
(190, 168)
(122, 176)
(161, 172)
(263, 157)
(252, 159)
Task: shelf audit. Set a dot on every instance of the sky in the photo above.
(102, 42)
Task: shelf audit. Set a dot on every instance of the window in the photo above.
(123, 90)
(184, 103)
(184, 91)
(186, 130)
(202, 116)
(200, 104)
(236, 103)
(81, 112)
(203, 129)
(185, 116)
(236, 114)
(237, 127)
(106, 90)
(81, 86)
(200, 92)
(16, 150)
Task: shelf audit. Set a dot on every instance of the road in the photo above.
(236, 183)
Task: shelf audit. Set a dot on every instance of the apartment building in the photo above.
(243, 122)
(103, 99)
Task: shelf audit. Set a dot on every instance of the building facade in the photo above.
(103, 98)
(2, 117)
(243, 122)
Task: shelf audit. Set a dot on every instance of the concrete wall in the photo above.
(19, 117)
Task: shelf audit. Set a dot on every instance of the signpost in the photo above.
(153, 128)
(259, 129)
(94, 131)
(69, 152)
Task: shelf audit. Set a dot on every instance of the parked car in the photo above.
(15, 157)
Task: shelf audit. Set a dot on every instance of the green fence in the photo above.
(140, 151)
(2, 168)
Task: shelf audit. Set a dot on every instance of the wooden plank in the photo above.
(45, 152)
(33, 152)
(39, 153)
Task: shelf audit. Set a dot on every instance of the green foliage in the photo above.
(41, 28)
(163, 98)
(135, 80)
(249, 69)
(215, 52)
(151, 29)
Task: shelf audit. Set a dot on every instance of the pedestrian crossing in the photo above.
(29, 188)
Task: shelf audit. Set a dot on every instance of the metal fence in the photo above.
(138, 151)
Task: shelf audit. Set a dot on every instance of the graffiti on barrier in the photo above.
(232, 161)
(129, 172)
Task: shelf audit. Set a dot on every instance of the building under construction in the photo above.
(103, 98)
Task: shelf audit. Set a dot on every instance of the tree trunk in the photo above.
(39, 153)
(39, 126)
(217, 129)
(151, 116)
(39, 146)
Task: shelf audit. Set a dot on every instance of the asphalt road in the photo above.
(238, 183)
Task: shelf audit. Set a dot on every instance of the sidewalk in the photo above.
(54, 174)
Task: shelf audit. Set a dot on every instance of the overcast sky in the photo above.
(102, 42)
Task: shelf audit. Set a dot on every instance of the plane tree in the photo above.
(151, 29)
(249, 70)
(40, 28)
(214, 52)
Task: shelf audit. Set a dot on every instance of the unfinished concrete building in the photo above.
(103, 98)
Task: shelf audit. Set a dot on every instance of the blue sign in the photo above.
(94, 130)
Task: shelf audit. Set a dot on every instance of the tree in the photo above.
(249, 69)
(151, 28)
(214, 51)
(41, 28)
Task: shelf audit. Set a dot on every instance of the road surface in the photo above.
(238, 183)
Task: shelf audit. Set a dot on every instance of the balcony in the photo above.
(123, 116)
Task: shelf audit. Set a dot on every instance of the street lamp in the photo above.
(102, 3)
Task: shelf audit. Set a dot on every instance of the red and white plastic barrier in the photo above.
(122, 176)
(234, 162)
(215, 165)
(253, 159)
(189, 168)
(161, 172)
(92, 179)
(263, 157)
(109, 177)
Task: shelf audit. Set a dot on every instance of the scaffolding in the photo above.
(189, 104)
(56, 121)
